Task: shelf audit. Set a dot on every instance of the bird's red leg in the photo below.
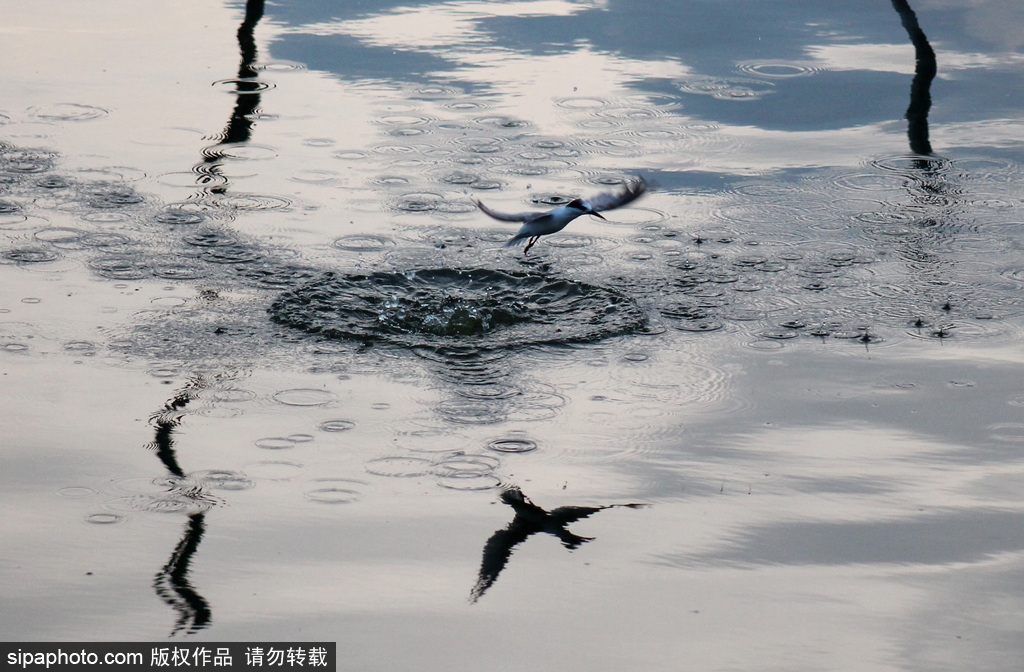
(529, 244)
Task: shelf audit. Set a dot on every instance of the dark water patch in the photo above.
(419, 202)
(20, 161)
(105, 239)
(239, 253)
(110, 195)
(479, 308)
(121, 267)
(31, 255)
(54, 182)
(177, 271)
(211, 238)
(179, 215)
(276, 275)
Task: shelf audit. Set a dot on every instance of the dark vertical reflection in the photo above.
(529, 520)
(247, 101)
(239, 127)
(933, 209)
(920, 88)
(172, 583)
(164, 422)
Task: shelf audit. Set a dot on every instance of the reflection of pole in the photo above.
(247, 88)
(172, 584)
(920, 89)
(240, 126)
(163, 440)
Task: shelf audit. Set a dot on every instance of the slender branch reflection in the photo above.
(925, 70)
(529, 520)
(247, 93)
(172, 583)
(165, 421)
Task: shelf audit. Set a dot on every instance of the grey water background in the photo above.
(268, 374)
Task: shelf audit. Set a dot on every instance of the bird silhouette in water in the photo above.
(537, 224)
(529, 520)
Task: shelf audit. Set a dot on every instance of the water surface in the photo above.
(269, 374)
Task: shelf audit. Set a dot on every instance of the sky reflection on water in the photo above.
(823, 408)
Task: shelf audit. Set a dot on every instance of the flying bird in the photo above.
(537, 224)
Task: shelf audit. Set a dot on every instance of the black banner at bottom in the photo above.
(156, 656)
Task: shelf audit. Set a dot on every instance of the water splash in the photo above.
(479, 308)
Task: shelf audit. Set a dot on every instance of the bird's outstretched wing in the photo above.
(506, 217)
(497, 552)
(611, 200)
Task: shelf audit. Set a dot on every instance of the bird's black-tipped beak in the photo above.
(595, 213)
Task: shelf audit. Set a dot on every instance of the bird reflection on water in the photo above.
(529, 520)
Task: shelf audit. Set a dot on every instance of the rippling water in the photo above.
(269, 372)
